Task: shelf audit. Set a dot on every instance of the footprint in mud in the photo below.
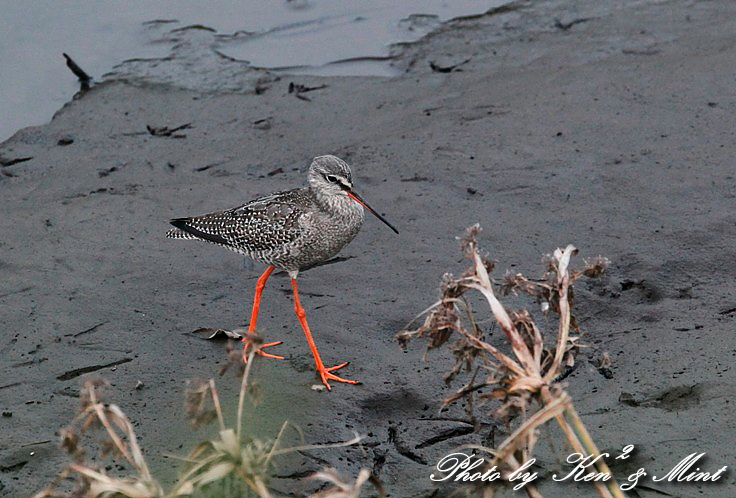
(673, 399)
(644, 291)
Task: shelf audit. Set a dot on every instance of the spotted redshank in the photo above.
(290, 231)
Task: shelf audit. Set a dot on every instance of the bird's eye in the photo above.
(331, 178)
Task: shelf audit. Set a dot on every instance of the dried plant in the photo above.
(526, 383)
(120, 442)
(227, 465)
(342, 488)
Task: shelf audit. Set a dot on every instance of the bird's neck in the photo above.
(338, 205)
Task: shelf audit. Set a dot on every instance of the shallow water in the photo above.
(304, 36)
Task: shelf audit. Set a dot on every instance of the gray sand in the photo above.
(615, 135)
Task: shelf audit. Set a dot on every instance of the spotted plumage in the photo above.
(289, 230)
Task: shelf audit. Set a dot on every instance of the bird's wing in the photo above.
(259, 225)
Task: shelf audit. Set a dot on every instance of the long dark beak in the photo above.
(360, 201)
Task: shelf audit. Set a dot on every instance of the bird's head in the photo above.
(331, 176)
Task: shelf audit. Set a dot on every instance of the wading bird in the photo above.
(291, 231)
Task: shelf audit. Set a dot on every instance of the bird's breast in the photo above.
(325, 233)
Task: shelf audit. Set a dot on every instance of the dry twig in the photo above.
(525, 383)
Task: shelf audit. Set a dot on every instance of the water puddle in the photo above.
(230, 37)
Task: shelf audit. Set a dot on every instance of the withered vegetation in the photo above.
(229, 465)
(523, 384)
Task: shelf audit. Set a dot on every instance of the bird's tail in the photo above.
(192, 228)
(176, 233)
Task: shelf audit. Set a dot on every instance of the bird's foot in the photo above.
(325, 374)
(247, 344)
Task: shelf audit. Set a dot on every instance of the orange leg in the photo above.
(260, 284)
(324, 373)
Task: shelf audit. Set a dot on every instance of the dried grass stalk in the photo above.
(526, 384)
(342, 488)
(232, 459)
